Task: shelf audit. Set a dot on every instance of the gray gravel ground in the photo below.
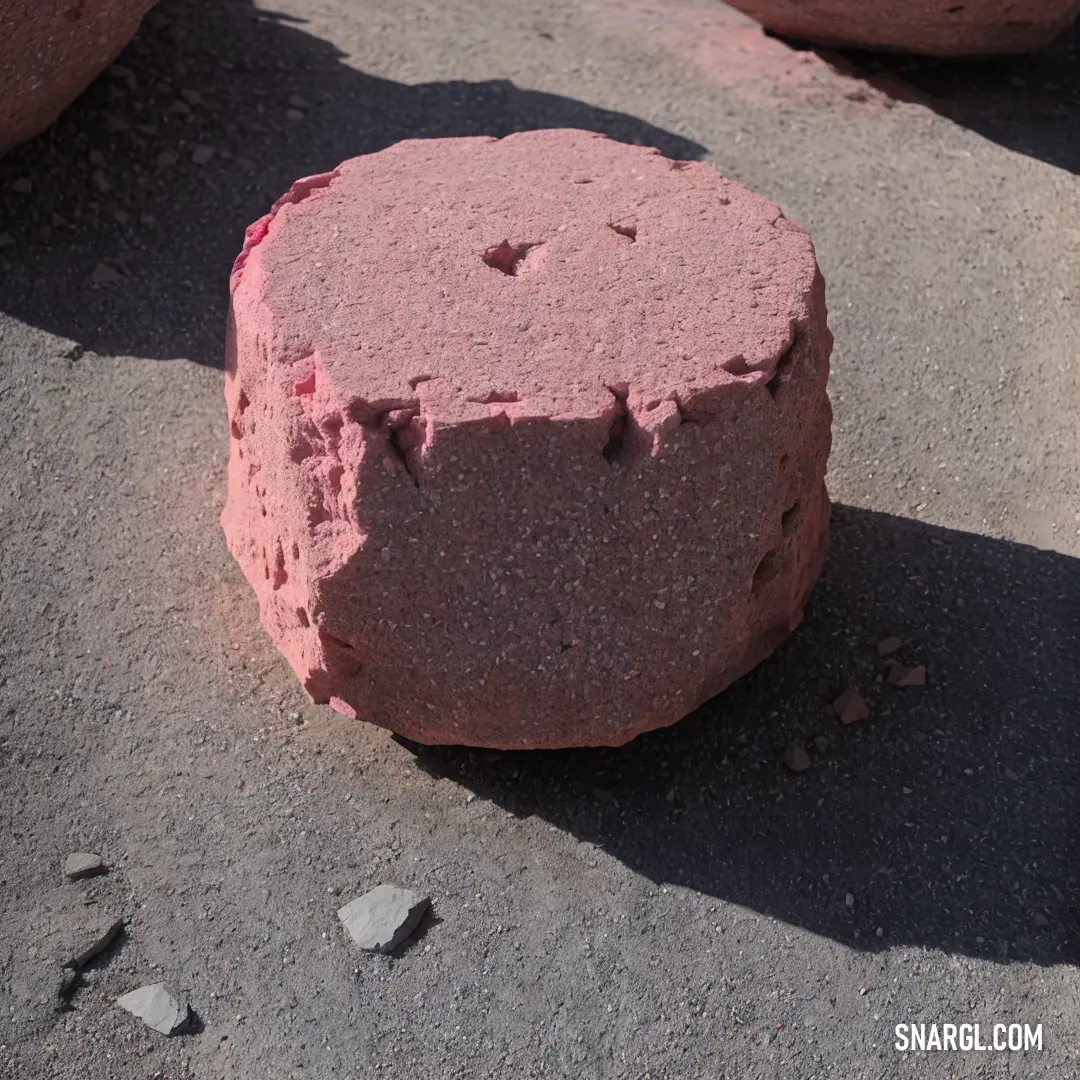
(683, 907)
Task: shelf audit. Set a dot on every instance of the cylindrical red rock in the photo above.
(528, 436)
(929, 27)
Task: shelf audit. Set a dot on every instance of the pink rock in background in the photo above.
(50, 51)
(528, 436)
(931, 27)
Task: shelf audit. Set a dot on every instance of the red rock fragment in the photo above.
(504, 474)
(851, 707)
(796, 758)
(50, 51)
(905, 676)
(889, 645)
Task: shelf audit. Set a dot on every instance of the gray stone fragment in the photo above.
(382, 919)
(157, 1008)
(83, 864)
(100, 939)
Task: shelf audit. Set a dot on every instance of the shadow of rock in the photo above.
(948, 816)
(116, 184)
(1030, 104)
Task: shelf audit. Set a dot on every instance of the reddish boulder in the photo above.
(930, 27)
(528, 436)
(50, 51)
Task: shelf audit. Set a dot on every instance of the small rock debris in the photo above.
(383, 918)
(905, 676)
(850, 706)
(83, 864)
(104, 274)
(889, 645)
(796, 758)
(157, 1008)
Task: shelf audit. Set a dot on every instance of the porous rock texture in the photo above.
(50, 51)
(528, 435)
(930, 27)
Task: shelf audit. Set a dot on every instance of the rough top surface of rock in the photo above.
(528, 435)
(930, 27)
(537, 267)
(50, 51)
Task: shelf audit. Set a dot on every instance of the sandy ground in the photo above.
(683, 907)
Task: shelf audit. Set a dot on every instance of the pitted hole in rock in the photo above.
(766, 570)
(779, 375)
(235, 430)
(402, 436)
(616, 439)
(678, 166)
(242, 404)
(302, 615)
(304, 386)
(399, 442)
(317, 513)
(281, 575)
(623, 229)
(340, 654)
(300, 451)
(507, 258)
(737, 365)
(296, 551)
(495, 397)
(583, 180)
(789, 519)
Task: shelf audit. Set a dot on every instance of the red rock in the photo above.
(931, 27)
(50, 51)
(528, 436)
(851, 707)
(905, 676)
(796, 758)
(889, 645)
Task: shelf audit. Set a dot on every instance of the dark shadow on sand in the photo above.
(950, 816)
(1030, 104)
(114, 183)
